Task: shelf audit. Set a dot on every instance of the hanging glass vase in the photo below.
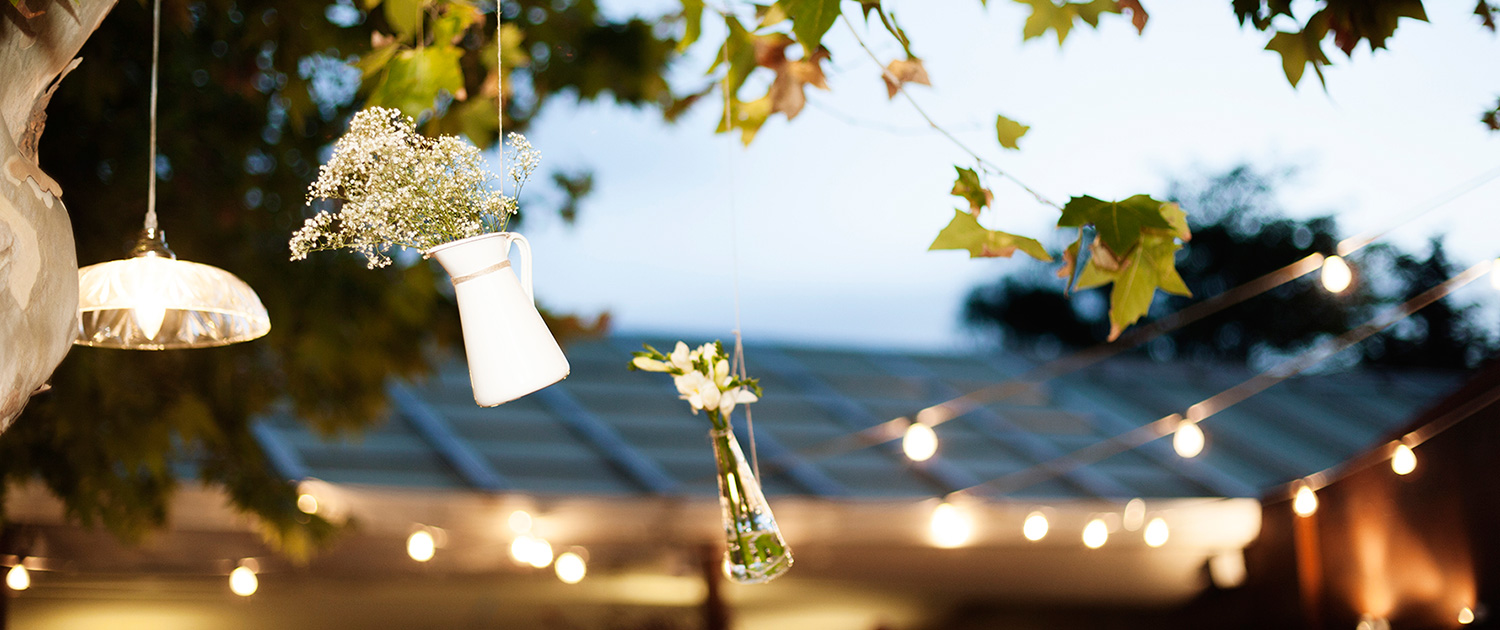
(755, 551)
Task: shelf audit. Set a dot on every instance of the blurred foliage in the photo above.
(1241, 233)
(252, 95)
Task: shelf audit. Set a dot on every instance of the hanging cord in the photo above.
(151, 168)
(738, 365)
(500, 97)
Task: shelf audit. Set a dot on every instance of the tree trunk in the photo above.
(38, 264)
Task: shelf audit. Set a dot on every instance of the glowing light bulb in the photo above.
(520, 549)
(1465, 615)
(920, 442)
(18, 579)
(1095, 534)
(1135, 514)
(1156, 532)
(1336, 274)
(148, 315)
(307, 503)
(242, 581)
(519, 521)
(541, 553)
(950, 526)
(420, 545)
(570, 568)
(1404, 460)
(1305, 502)
(1036, 526)
(1188, 439)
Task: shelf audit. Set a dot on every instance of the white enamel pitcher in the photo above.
(511, 352)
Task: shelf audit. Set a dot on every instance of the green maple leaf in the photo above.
(965, 233)
(1045, 15)
(405, 16)
(1151, 268)
(692, 15)
(1302, 48)
(1118, 223)
(1048, 15)
(968, 187)
(741, 53)
(811, 19)
(1009, 132)
(413, 79)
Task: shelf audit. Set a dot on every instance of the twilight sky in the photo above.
(835, 209)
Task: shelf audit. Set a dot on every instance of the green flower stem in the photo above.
(738, 508)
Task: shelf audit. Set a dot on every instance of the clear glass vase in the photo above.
(755, 551)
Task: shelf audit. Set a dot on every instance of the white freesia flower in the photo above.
(734, 396)
(681, 358)
(650, 365)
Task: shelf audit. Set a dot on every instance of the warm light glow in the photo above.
(950, 526)
(420, 545)
(920, 442)
(148, 314)
(19, 579)
(1306, 502)
(520, 549)
(1465, 615)
(1188, 439)
(520, 522)
(307, 503)
(1135, 514)
(1336, 274)
(541, 553)
(1095, 534)
(1227, 569)
(243, 581)
(1403, 461)
(1156, 532)
(570, 568)
(1036, 526)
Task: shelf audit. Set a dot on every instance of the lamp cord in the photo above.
(151, 168)
(734, 257)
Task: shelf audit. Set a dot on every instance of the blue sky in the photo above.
(835, 209)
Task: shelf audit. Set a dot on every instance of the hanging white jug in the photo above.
(511, 353)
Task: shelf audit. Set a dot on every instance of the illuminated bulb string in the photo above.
(1225, 399)
(942, 412)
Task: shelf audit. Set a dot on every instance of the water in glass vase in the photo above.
(755, 550)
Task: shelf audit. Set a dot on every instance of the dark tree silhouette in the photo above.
(1240, 233)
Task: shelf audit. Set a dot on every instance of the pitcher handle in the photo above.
(526, 259)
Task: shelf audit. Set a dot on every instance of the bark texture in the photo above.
(38, 261)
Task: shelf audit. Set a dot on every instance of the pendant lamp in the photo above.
(152, 300)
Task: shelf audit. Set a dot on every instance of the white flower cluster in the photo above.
(399, 187)
(703, 377)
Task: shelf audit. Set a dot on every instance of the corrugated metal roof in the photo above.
(609, 431)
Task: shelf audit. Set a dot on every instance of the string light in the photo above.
(1227, 568)
(1336, 274)
(242, 581)
(541, 553)
(570, 568)
(1095, 534)
(1465, 615)
(1135, 514)
(950, 526)
(1035, 527)
(1156, 532)
(920, 442)
(1188, 439)
(1404, 460)
(18, 578)
(520, 522)
(421, 546)
(307, 503)
(1305, 502)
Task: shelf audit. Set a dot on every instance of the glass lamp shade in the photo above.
(152, 301)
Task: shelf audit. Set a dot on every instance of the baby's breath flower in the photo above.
(398, 187)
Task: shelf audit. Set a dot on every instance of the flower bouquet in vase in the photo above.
(392, 186)
(755, 551)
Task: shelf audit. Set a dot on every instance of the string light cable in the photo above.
(1208, 407)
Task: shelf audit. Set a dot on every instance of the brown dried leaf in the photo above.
(905, 71)
(1138, 14)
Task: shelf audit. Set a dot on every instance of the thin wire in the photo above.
(500, 95)
(734, 254)
(155, 65)
(1354, 243)
(1217, 403)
